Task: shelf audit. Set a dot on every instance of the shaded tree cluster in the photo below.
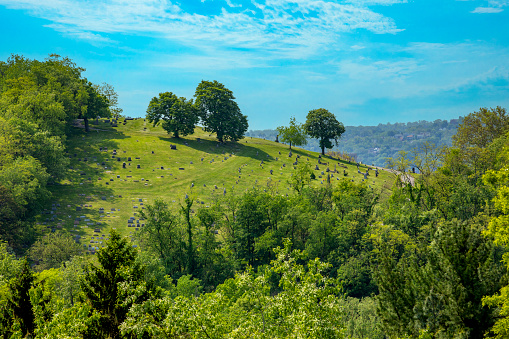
(215, 107)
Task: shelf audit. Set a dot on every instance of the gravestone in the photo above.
(123, 165)
(173, 146)
(317, 168)
(138, 166)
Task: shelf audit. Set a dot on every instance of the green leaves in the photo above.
(322, 124)
(307, 306)
(293, 134)
(179, 115)
(116, 284)
(219, 112)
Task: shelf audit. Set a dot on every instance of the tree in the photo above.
(97, 105)
(322, 124)
(219, 112)
(164, 235)
(179, 115)
(293, 134)
(54, 249)
(17, 313)
(476, 132)
(116, 284)
(112, 97)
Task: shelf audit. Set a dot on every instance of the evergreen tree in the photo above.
(18, 314)
(116, 284)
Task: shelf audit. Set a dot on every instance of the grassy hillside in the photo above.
(100, 193)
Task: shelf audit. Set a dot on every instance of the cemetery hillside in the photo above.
(181, 224)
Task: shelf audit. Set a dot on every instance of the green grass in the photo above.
(138, 139)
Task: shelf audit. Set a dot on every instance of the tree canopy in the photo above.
(294, 133)
(219, 112)
(179, 115)
(322, 124)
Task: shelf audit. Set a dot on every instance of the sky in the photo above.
(366, 61)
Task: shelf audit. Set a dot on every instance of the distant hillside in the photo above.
(374, 144)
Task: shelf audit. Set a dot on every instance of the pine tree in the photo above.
(18, 305)
(116, 284)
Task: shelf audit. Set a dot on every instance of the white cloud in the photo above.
(487, 10)
(492, 6)
(280, 28)
(231, 4)
(423, 69)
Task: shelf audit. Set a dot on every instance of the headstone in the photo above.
(138, 166)
(123, 165)
(173, 146)
(317, 168)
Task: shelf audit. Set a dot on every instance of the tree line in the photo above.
(39, 100)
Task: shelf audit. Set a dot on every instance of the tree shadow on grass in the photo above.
(214, 147)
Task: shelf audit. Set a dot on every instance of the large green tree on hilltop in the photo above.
(179, 115)
(219, 112)
(322, 124)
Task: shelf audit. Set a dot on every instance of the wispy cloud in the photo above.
(487, 10)
(492, 6)
(424, 68)
(294, 29)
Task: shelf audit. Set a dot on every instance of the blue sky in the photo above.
(366, 61)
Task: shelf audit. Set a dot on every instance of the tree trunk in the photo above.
(290, 145)
(87, 129)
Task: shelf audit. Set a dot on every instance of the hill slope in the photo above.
(100, 193)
